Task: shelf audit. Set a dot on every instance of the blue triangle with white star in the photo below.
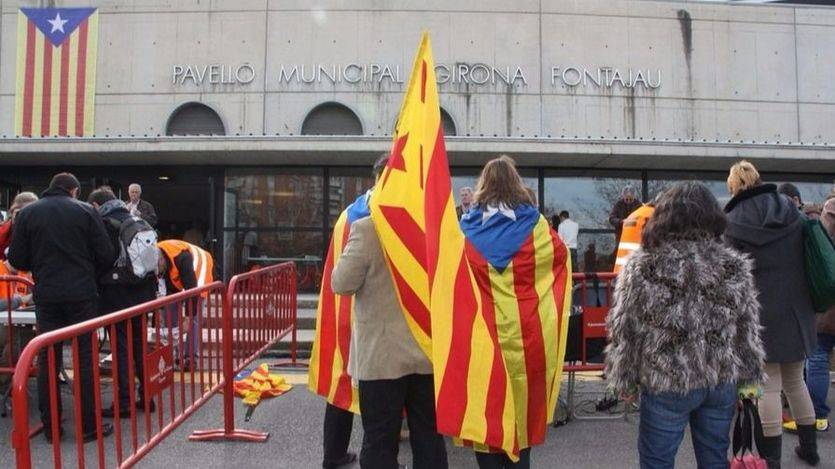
(57, 23)
(498, 234)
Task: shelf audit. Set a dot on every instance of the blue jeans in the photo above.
(817, 374)
(665, 416)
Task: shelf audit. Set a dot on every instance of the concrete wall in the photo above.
(753, 73)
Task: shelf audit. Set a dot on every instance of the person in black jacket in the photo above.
(115, 296)
(62, 241)
(139, 207)
(627, 204)
(768, 226)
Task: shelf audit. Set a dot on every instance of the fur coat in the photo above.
(685, 317)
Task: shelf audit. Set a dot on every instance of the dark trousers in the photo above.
(136, 341)
(381, 404)
(336, 435)
(116, 298)
(55, 316)
(501, 461)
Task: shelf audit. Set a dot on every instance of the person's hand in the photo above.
(628, 397)
(26, 299)
(749, 391)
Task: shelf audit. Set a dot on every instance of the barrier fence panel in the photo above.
(178, 370)
(17, 326)
(592, 297)
(260, 311)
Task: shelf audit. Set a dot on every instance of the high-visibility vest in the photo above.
(202, 262)
(630, 237)
(19, 288)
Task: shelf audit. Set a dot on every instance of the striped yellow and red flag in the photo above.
(484, 393)
(523, 271)
(56, 71)
(328, 374)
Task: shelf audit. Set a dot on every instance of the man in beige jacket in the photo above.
(393, 372)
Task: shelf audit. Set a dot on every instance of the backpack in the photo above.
(138, 252)
(819, 258)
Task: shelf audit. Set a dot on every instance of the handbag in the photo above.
(748, 429)
(819, 260)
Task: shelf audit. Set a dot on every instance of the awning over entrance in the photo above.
(463, 151)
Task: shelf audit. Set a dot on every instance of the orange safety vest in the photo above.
(203, 263)
(20, 288)
(630, 238)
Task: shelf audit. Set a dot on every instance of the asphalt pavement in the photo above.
(294, 422)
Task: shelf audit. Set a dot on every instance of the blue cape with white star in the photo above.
(359, 208)
(499, 237)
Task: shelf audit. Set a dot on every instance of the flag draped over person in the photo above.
(486, 396)
(328, 373)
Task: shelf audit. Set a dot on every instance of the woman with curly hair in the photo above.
(684, 329)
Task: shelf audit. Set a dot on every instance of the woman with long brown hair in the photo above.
(523, 274)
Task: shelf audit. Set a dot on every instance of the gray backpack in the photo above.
(138, 252)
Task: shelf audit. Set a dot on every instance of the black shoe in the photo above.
(106, 430)
(349, 458)
(771, 450)
(124, 410)
(808, 448)
(47, 433)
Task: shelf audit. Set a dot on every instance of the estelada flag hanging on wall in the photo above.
(56, 71)
(456, 313)
(328, 374)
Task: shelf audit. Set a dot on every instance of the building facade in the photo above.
(254, 123)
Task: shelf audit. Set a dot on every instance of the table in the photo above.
(19, 318)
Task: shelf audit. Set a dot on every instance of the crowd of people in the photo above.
(711, 308)
(88, 259)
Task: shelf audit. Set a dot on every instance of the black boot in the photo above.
(808, 449)
(771, 450)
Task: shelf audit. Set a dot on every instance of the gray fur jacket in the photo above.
(684, 317)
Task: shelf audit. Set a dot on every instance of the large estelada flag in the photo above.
(328, 374)
(523, 271)
(56, 71)
(480, 393)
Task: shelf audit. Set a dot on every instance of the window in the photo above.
(715, 182)
(344, 186)
(331, 119)
(448, 124)
(588, 196)
(194, 119)
(272, 216)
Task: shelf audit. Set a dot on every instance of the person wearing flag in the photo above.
(521, 267)
(329, 375)
(392, 371)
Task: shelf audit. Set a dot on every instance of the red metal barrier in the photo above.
(262, 310)
(176, 393)
(594, 314)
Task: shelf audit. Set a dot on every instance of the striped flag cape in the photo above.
(56, 71)
(328, 373)
(449, 310)
(523, 272)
